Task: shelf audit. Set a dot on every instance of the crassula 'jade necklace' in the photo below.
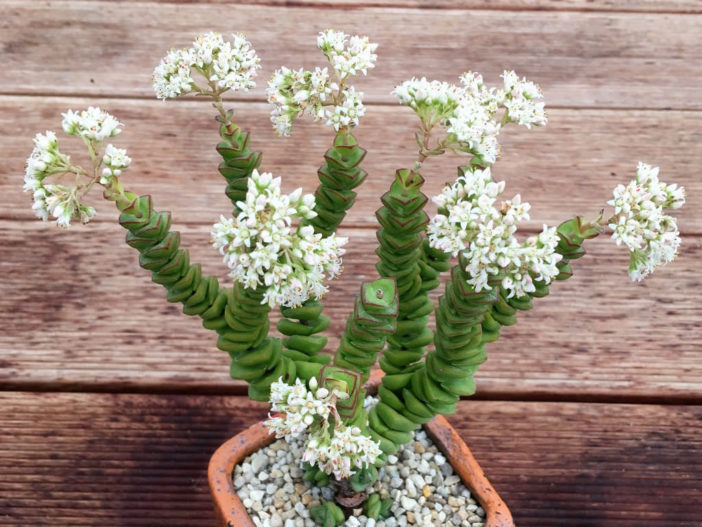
(282, 249)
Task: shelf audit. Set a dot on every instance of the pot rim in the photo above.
(232, 513)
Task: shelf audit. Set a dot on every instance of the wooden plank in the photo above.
(172, 145)
(581, 59)
(626, 6)
(137, 460)
(77, 313)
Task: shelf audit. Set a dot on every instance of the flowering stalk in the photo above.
(330, 412)
(493, 267)
(572, 234)
(324, 94)
(235, 314)
(339, 175)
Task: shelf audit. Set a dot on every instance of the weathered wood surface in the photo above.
(77, 314)
(609, 59)
(141, 460)
(632, 6)
(172, 147)
(597, 335)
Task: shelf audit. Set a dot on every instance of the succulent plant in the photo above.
(281, 250)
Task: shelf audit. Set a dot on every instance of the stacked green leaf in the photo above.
(432, 264)
(236, 314)
(401, 234)
(339, 175)
(373, 319)
(300, 326)
(239, 162)
(328, 514)
(414, 396)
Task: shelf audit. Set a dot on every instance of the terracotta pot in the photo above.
(231, 512)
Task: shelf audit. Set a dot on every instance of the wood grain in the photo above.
(172, 146)
(78, 313)
(632, 6)
(138, 460)
(621, 79)
(582, 59)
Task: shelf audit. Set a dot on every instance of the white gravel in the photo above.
(422, 484)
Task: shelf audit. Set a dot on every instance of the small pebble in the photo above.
(410, 489)
(259, 462)
(408, 503)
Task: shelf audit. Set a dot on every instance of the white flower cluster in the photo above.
(299, 407)
(322, 94)
(63, 202)
(115, 159)
(522, 101)
(468, 222)
(92, 124)
(51, 200)
(348, 54)
(433, 101)
(469, 111)
(346, 449)
(640, 223)
(230, 65)
(337, 451)
(262, 247)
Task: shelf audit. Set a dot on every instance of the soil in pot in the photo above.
(422, 483)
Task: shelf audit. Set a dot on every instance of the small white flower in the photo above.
(91, 124)
(468, 112)
(469, 223)
(641, 224)
(319, 93)
(264, 249)
(115, 159)
(231, 65)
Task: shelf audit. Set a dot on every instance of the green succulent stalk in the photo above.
(236, 314)
(238, 160)
(340, 174)
(572, 234)
(403, 257)
(465, 321)
(373, 319)
(338, 177)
